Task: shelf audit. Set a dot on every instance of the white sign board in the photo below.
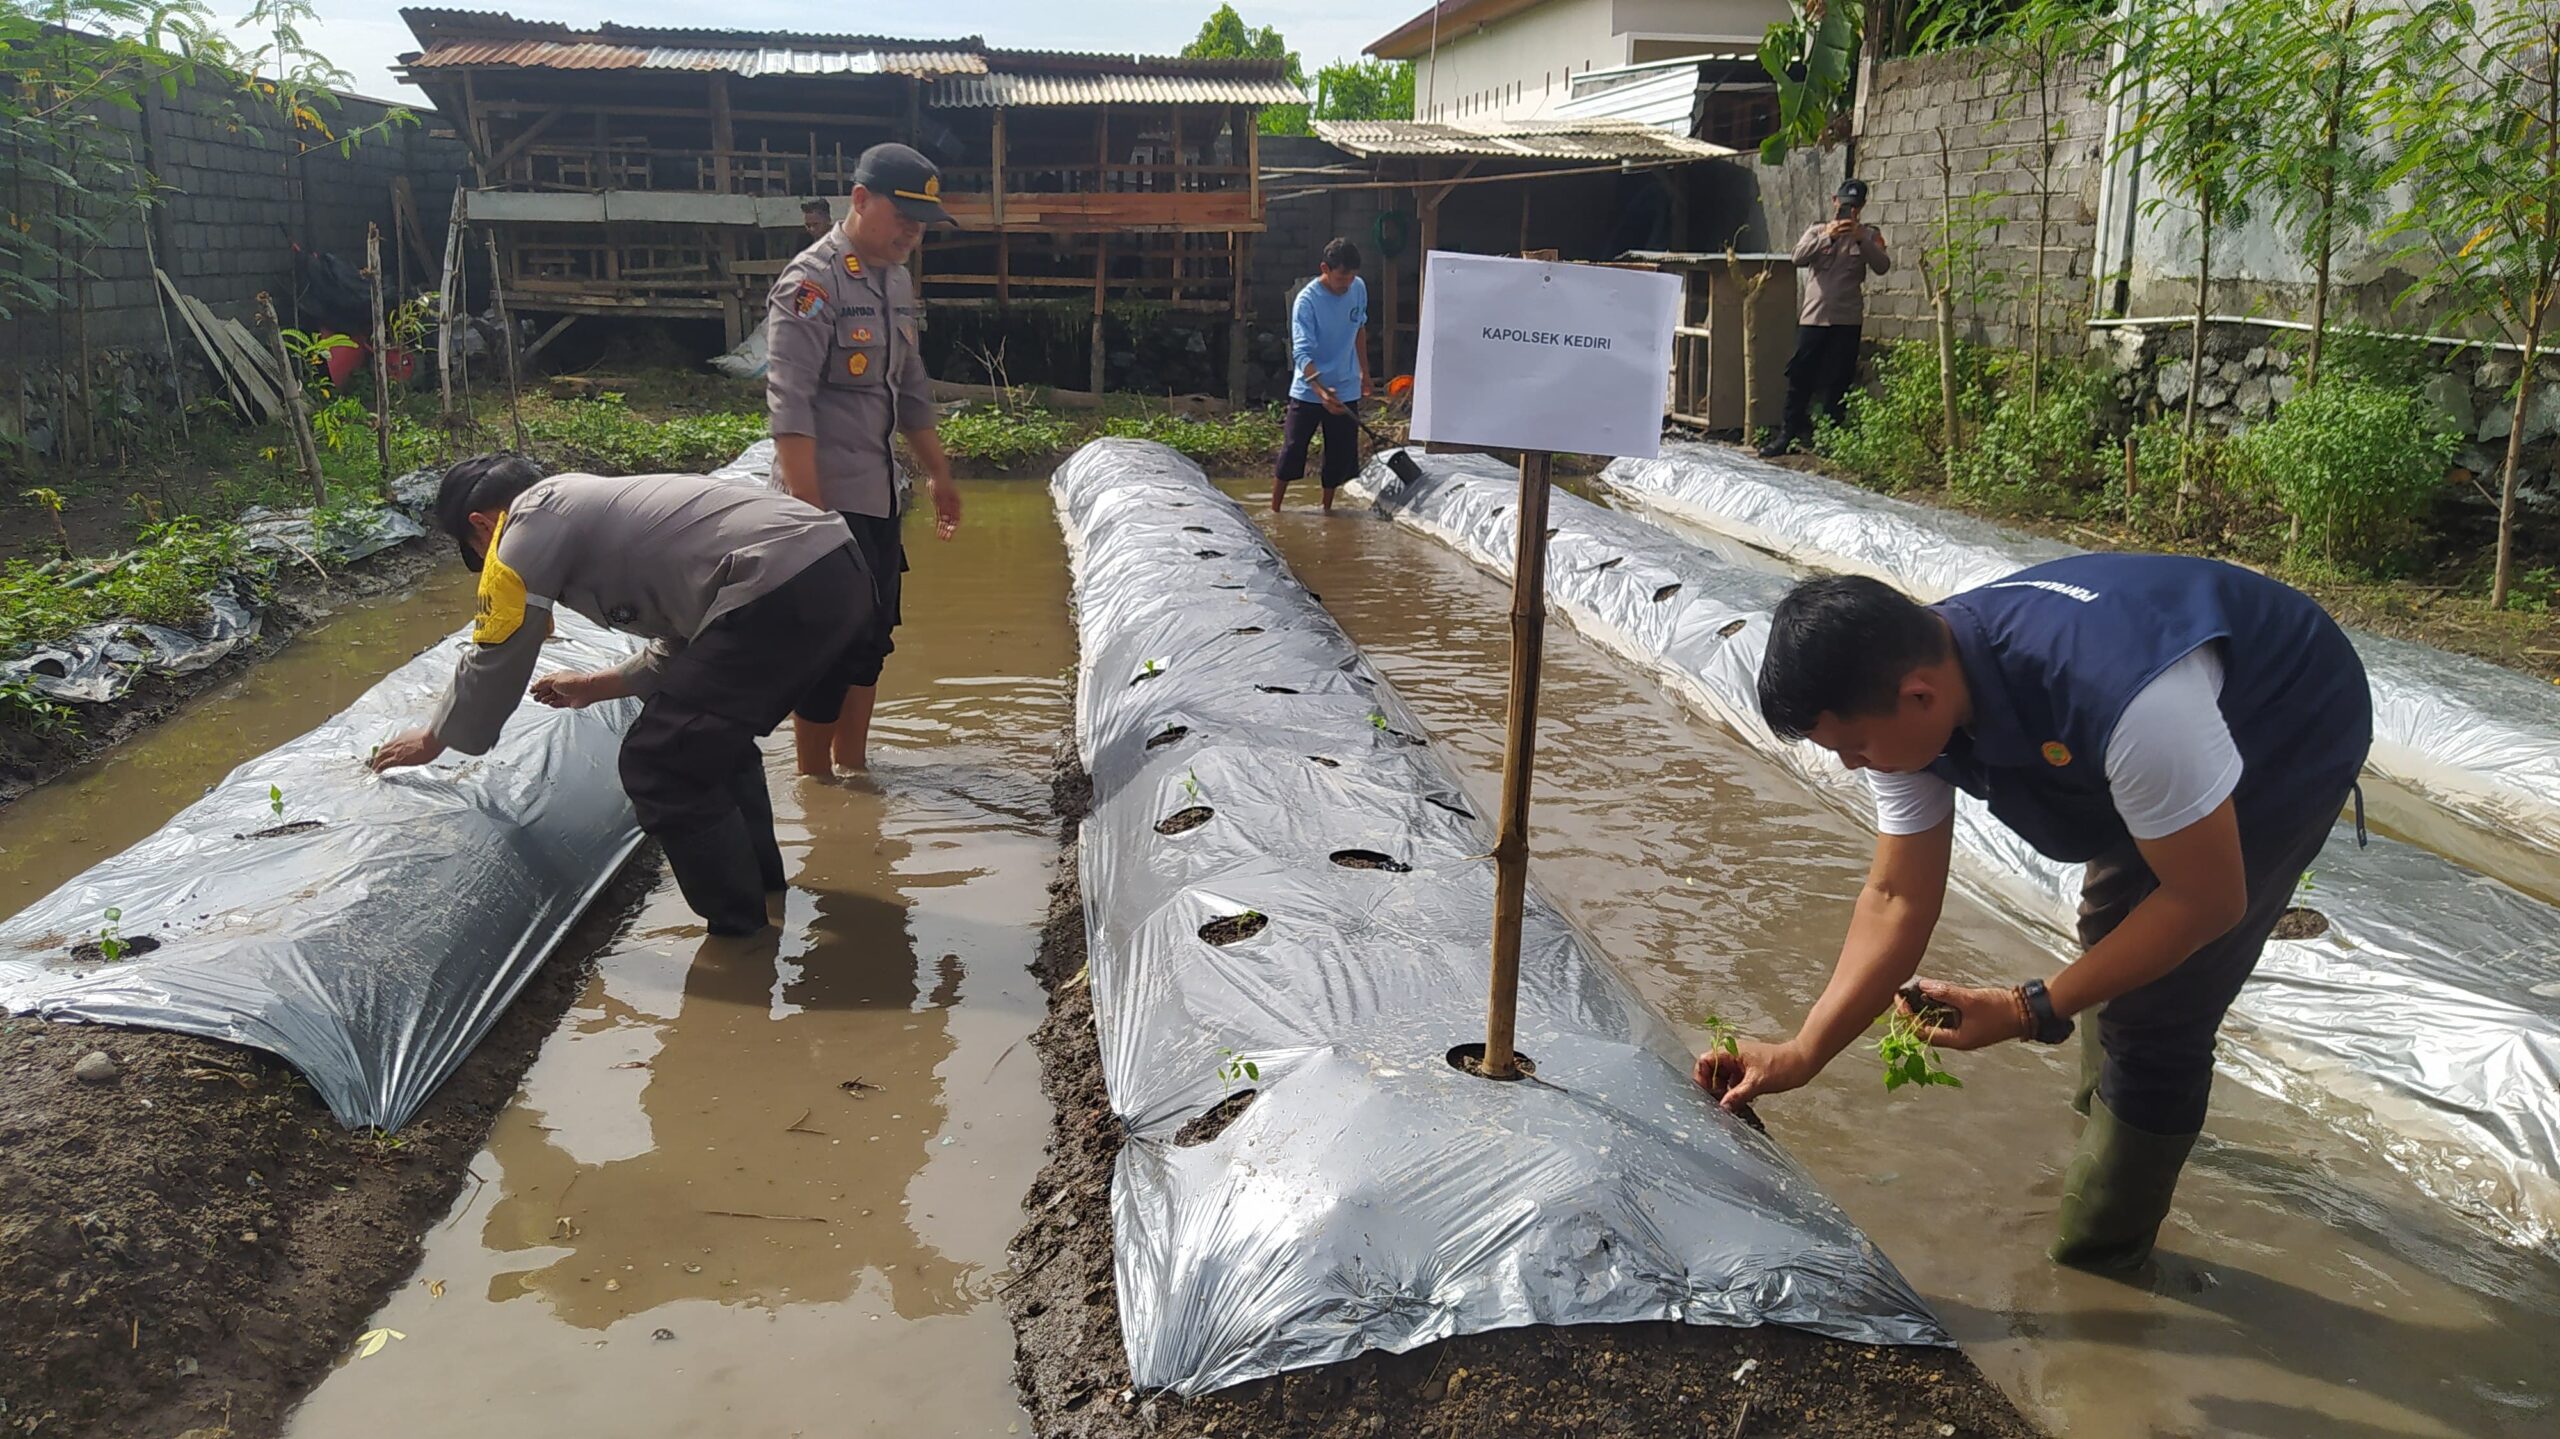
(1528, 355)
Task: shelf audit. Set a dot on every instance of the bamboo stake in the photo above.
(444, 312)
(296, 414)
(506, 339)
(1519, 765)
(381, 354)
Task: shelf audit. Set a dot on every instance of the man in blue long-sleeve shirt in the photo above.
(1329, 373)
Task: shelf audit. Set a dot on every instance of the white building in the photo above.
(1501, 60)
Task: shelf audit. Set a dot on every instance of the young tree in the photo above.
(2202, 74)
(2320, 161)
(1225, 36)
(2043, 42)
(2475, 108)
(1365, 90)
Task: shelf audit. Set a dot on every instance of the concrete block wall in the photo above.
(1991, 119)
(235, 198)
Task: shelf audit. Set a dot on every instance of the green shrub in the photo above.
(1005, 438)
(2017, 458)
(162, 582)
(1247, 438)
(1895, 436)
(2357, 463)
(2225, 504)
(603, 435)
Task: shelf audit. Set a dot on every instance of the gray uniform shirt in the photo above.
(1835, 274)
(843, 365)
(659, 556)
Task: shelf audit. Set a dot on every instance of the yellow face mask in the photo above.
(502, 595)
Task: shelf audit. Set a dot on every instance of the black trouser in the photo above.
(882, 541)
(785, 652)
(2158, 1040)
(1341, 442)
(1819, 376)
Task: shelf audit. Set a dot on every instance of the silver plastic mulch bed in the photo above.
(1287, 893)
(2424, 1020)
(2480, 742)
(373, 931)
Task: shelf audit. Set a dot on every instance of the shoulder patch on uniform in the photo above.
(2056, 753)
(809, 299)
(502, 596)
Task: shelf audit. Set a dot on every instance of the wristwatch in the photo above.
(2043, 1025)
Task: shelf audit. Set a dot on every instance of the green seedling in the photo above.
(1722, 1035)
(1152, 667)
(1909, 1059)
(1378, 721)
(1236, 1068)
(275, 799)
(111, 936)
(2306, 886)
(1191, 783)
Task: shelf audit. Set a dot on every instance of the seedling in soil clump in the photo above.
(1909, 1059)
(1183, 821)
(1370, 859)
(111, 936)
(1378, 721)
(275, 800)
(1213, 1121)
(1234, 927)
(1148, 671)
(2301, 923)
(1236, 1068)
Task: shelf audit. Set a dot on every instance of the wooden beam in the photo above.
(996, 190)
(470, 131)
(1519, 762)
(531, 133)
(1253, 161)
(724, 135)
(1101, 279)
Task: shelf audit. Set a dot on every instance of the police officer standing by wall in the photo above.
(752, 602)
(845, 372)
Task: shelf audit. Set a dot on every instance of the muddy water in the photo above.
(59, 829)
(765, 1188)
(2310, 1292)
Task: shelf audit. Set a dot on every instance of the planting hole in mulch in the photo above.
(1370, 859)
(1209, 554)
(1168, 737)
(1609, 564)
(2300, 923)
(1275, 689)
(1452, 806)
(1229, 929)
(1327, 763)
(1469, 1059)
(1246, 630)
(1183, 821)
(1729, 631)
(1666, 592)
(1400, 737)
(1226, 587)
(1195, 529)
(1211, 1122)
(1552, 532)
(89, 951)
(299, 826)
(1144, 675)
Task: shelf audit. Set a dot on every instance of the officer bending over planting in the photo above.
(751, 602)
(2187, 729)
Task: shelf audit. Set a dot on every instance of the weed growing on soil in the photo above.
(1235, 1068)
(603, 434)
(111, 935)
(1909, 1059)
(50, 501)
(23, 706)
(1006, 438)
(1241, 439)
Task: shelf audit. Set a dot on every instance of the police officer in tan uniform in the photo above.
(753, 605)
(845, 372)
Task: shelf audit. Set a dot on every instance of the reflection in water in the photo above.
(2309, 1290)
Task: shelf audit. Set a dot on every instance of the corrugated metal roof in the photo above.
(1598, 140)
(978, 92)
(1662, 99)
(748, 61)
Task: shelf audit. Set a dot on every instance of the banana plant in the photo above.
(1813, 57)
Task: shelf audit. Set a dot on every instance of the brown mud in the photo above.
(185, 1248)
(297, 602)
(1535, 1383)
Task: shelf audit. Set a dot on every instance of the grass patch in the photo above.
(1249, 438)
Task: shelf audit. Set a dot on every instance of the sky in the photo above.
(365, 37)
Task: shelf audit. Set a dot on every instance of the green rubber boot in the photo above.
(2093, 1057)
(2116, 1193)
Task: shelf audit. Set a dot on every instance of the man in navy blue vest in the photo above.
(2187, 729)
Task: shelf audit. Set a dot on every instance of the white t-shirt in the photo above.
(2170, 762)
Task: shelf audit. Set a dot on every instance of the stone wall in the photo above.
(1990, 116)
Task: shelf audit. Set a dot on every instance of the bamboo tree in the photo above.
(2207, 74)
(2475, 107)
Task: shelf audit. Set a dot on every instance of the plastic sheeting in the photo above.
(2426, 1020)
(372, 933)
(1371, 1196)
(2480, 741)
